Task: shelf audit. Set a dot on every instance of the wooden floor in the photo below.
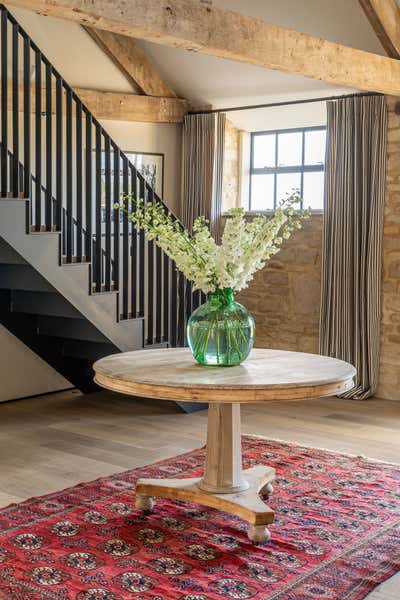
(55, 441)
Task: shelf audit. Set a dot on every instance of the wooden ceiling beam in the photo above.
(132, 62)
(132, 107)
(194, 26)
(115, 106)
(384, 16)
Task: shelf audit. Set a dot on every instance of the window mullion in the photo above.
(303, 138)
(276, 166)
(251, 168)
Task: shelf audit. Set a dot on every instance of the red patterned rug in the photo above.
(336, 536)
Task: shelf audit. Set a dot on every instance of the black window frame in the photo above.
(302, 168)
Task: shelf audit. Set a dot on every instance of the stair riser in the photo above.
(77, 329)
(87, 350)
(8, 256)
(42, 303)
(22, 277)
(79, 372)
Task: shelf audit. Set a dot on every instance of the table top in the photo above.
(173, 374)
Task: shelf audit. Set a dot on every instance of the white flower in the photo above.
(245, 246)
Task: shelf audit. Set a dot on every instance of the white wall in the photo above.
(22, 372)
(281, 117)
(162, 138)
(72, 52)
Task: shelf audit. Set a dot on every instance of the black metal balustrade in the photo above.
(54, 152)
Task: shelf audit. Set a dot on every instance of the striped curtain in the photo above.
(352, 244)
(203, 160)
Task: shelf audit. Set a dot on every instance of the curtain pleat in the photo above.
(352, 243)
(203, 159)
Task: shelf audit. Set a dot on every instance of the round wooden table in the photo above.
(267, 375)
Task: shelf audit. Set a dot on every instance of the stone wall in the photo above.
(230, 186)
(285, 296)
(389, 380)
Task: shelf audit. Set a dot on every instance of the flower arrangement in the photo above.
(221, 331)
(246, 245)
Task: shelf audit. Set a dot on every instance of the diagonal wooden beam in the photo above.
(384, 16)
(115, 106)
(132, 62)
(194, 26)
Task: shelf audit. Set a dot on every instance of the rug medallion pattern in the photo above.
(336, 535)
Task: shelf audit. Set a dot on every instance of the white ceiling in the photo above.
(205, 79)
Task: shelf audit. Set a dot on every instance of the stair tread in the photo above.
(75, 260)
(103, 291)
(33, 229)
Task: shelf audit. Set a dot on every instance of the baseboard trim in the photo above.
(39, 395)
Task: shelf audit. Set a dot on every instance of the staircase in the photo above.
(77, 280)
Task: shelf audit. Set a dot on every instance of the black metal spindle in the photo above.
(166, 298)
(189, 299)
(142, 255)
(64, 226)
(181, 310)
(79, 180)
(15, 111)
(21, 177)
(149, 196)
(116, 191)
(125, 243)
(135, 256)
(196, 299)
(59, 161)
(107, 212)
(27, 117)
(150, 292)
(159, 294)
(68, 184)
(4, 104)
(98, 224)
(49, 152)
(88, 188)
(38, 140)
(174, 306)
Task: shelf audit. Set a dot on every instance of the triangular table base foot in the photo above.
(245, 504)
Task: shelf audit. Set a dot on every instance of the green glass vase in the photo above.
(220, 332)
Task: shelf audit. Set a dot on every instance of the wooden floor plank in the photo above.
(54, 441)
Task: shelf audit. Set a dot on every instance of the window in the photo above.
(286, 159)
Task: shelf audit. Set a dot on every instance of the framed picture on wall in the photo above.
(150, 165)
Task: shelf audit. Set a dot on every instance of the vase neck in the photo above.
(222, 297)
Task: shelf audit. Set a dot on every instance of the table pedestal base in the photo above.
(224, 485)
(246, 504)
